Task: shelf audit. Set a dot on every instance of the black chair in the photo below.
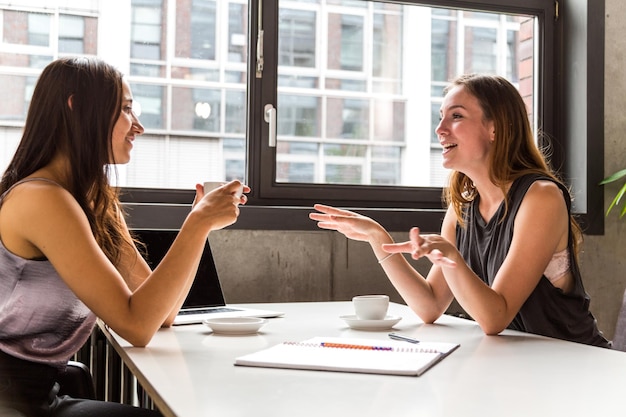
(77, 381)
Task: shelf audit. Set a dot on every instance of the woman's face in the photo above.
(464, 133)
(126, 128)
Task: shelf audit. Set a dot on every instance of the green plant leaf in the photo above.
(617, 199)
(614, 177)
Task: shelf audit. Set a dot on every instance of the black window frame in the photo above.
(281, 206)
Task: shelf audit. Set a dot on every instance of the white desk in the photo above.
(189, 372)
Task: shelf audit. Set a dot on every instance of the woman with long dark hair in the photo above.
(66, 254)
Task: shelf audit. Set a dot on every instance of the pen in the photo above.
(350, 346)
(397, 336)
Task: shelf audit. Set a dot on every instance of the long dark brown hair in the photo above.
(514, 152)
(82, 131)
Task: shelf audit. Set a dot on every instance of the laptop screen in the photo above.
(206, 290)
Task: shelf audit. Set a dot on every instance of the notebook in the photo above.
(205, 299)
(351, 355)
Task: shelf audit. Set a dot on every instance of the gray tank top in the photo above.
(548, 310)
(41, 320)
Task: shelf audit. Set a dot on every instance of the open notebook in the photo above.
(205, 299)
(351, 355)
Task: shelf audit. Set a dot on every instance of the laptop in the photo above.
(205, 299)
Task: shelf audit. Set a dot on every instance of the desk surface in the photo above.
(188, 371)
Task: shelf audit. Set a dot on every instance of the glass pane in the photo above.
(346, 85)
(343, 174)
(347, 118)
(146, 29)
(481, 43)
(26, 28)
(345, 42)
(196, 109)
(389, 122)
(299, 115)
(295, 171)
(237, 32)
(152, 99)
(296, 33)
(346, 150)
(196, 30)
(370, 106)
(196, 74)
(298, 81)
(387, 47)
(78, 34)
(385, 173)
(443, 62)
(235, 114)
(168, 162)
(17, 91)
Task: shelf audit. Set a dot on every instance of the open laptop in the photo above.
(205, 299)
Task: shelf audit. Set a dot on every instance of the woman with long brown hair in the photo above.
(66, 254)
(508, 245)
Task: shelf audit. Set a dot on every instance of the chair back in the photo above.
(77, 381)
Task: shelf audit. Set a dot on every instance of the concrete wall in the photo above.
(322, 265)
(603, 263)
(275, 266)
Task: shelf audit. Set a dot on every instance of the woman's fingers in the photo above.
(404, 247)
(332, 210)
(437, 258)
(420, 246)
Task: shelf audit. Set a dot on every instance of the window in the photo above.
(146, 29)
(77, 34)
(400, 94)
(190, 80)
(366, 98)
(357, 87)
(29, 40)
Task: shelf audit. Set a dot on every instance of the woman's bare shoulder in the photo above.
(35, 212)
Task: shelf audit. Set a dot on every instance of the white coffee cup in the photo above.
(371, 307)
(211, 185)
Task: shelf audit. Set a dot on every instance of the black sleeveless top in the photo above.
(548, 310)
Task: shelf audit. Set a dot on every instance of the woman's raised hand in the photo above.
(352, 225)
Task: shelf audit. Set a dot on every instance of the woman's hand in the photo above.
(352, 225)
(220, 206)
(437, 249)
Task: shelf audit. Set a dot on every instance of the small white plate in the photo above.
(355, 323)
(235, 325)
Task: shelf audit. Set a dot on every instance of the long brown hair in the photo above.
(514, 152)
(83, 132)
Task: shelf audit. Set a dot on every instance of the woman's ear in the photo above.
(69, 101)
(491, 127)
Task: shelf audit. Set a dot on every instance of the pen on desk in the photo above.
(397, 336)
(353, 346)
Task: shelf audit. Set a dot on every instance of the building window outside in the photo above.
(30, 39)
(383, 96)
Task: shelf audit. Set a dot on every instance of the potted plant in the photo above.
(612, 178)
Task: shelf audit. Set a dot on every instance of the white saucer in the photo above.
(235, 325)
(355, 323)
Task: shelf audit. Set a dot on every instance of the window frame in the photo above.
(284, 206)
